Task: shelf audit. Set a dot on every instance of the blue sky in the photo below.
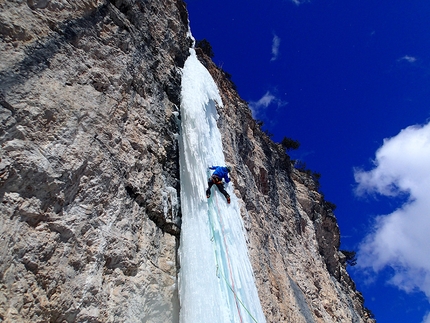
(350, 81)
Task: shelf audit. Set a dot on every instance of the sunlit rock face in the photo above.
(89, 174)
(293, 235)
(89, 159)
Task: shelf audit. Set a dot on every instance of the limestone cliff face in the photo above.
(89, 187)
(292, 232)
(89, 160)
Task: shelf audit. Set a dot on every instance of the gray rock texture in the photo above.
(89, 159)
(89, 179)
(293, 236)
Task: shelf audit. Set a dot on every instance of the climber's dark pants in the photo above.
(218, 182)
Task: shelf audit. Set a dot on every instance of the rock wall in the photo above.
(89, 180)
(89, 92)
(293, 235)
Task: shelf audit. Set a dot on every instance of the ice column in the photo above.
(216, 282)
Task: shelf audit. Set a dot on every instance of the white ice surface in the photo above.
(213, 252)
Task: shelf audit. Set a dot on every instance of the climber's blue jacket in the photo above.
(221, 172)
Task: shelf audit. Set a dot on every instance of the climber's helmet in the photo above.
(229, 169)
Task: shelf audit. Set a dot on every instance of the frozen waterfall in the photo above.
(216, 281)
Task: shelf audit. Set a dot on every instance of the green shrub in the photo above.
(206, 47)
(290, 144)
(350, 256)
(330, 205)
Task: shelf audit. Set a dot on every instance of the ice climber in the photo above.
(218, 175)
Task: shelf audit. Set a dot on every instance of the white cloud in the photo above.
(426, 318)
(267, 99)
(276, 41)
(299, 2)
(401, 240)
(408, 58)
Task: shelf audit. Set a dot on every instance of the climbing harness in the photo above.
(216, 179)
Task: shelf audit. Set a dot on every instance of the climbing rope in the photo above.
(219, 272)
(228, 258)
